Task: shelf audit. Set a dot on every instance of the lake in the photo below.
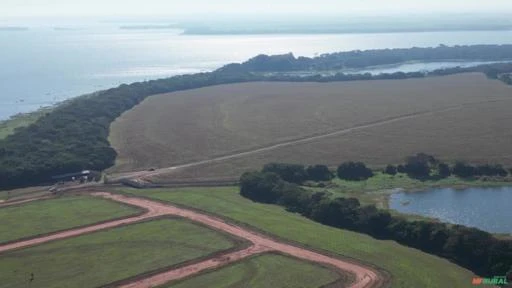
(43, 65)
(489, 209)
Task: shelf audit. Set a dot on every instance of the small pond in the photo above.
(489, 209)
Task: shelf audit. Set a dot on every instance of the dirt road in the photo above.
(161, 171)
(76, 232)
(186, 271)
(24, 201)
(364, 276)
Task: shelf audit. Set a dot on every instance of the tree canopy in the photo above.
(354, 171)
(474, 249)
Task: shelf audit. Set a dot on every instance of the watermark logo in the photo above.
(496, 280)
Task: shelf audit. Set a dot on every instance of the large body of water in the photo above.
(489, 209)
(42, 66)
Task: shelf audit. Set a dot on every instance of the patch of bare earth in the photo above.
(452, 117)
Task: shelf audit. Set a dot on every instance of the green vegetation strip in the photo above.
(104, 257)
(46, 216)
(409, 267)
(268, 270)
(8, 127)
(383, 181)
(375, 190)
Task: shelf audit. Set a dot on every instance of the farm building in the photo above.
(85, 174)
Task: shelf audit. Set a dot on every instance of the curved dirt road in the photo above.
(364, 277)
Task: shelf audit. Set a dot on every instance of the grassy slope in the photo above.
(264, 271)
(103, 257)
(7, 127)
(409, 267)
(53, 215)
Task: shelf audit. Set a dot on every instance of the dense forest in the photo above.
(74, 136)
(471, 248)
(367, 58)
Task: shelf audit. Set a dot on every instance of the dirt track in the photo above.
(18, 202)
(77, 232)
(161, 171)
(186, 271)
(364, 277)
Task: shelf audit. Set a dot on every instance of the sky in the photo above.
(28, 8)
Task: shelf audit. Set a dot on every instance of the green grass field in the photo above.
(47, 216)
(409, 267)
(7, 127)
(103, 257)
(263, 271)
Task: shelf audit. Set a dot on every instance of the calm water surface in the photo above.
(489, 209)
(42, 66)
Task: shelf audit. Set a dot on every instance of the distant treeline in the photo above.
(471, 248)
(424, 166)
(362, 59)
(74, 136)
(420, 166)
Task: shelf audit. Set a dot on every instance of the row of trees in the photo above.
(427, 166)
(296, 173)
(362, 59)
(419, 166)
(471, 248)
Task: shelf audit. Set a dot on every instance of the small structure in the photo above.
(85, 174)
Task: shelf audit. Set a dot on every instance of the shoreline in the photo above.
(461, 186)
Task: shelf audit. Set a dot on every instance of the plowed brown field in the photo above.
(454, 117)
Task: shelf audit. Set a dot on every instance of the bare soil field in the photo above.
(477, 134)
(454, 117)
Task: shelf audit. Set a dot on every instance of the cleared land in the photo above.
(454, 117)
(104, 257)
(400, 261)
(477, 134)
(268, 270)
(46, 216)
(361, 276)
